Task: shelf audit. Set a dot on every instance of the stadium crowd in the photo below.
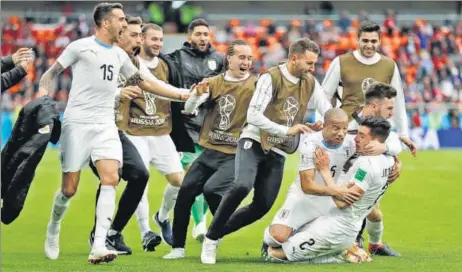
(428, 55)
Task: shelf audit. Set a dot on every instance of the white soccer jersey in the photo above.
(337, 155)
(370, 173)
(95, 70)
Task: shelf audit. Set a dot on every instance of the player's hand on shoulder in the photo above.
(375, 148)
(410, 144)
(317, 126)
(298, 129)
(130, 92)
(396, 172)
(202, 88)
(321, 159)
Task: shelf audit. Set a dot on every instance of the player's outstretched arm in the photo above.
(199, 95)
(46, 82)
(155, 87)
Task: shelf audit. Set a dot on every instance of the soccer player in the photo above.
(133, 170)
(195, 60)
(309, 195)
(379, 101)
(212, 173)
(88, 130)
(326, 239)
(149, 124)
(355, 71)
(276, 110)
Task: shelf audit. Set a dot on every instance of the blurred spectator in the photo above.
(429, 54)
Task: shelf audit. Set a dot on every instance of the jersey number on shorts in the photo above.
(305, 244)
(107, 71)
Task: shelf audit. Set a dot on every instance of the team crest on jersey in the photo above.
(367, 83)
(284, 213)
(212, 64)
(44, 130)
(247, 144)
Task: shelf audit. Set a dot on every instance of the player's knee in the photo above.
(140, 176)
(69, 191)
(110, 178)
(279, 233)
(209, 191)
(175, 179)
(69, 184)
(375, 215)
(241, 189)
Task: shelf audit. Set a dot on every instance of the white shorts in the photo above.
(160, 151)
(299, 208)
(81, 142)
(319, 238)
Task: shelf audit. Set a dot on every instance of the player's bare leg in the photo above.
(374, 226)
(274, 236)
(168, 203)
(69, 184)
(108, 171)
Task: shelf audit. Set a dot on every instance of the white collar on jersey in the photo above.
(367, 61)
(151, 64)
(230, 78)
(288, 75)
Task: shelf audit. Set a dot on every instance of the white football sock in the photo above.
(142, 214)
(60, 205)
(104, 212)
(168, 202)
(375, 230)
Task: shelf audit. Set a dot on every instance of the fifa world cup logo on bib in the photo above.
(367, 83)
(227, 103)
(150, 103)
(121, 81)
(290, 108)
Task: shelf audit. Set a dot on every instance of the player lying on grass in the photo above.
(325, 239)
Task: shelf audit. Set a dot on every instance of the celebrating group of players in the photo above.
(194, 111)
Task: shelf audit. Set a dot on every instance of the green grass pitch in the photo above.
(422, 215)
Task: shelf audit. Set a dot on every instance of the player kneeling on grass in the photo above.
(327, 238)
(310, 195)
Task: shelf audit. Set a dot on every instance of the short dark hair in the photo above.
(230, 50)
(379, 126)
(379, 90)
(368, 26)
(196, 23)
(102, 10)
(133, 20)
(302, 45)
(152, 26)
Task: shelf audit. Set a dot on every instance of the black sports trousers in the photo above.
(212, 173)
(254, 168)
(136, 175)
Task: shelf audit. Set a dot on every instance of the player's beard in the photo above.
(149, 52)
(196, 45)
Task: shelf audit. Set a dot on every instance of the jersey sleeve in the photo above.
(362, 175)
(127, 69)
(306, 156)
(70, 55)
